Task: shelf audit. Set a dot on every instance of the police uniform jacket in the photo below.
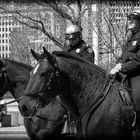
(131, 66)
(131, 56)
(81, 49)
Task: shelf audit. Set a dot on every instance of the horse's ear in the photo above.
(35, 55)
(51, 58)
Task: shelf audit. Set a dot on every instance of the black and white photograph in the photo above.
(69, 69)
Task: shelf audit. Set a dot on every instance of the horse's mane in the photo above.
(18, 68)
(78, 58)
(18, 64)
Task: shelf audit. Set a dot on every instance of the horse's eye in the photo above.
(43, 74)
(4, 70)
(31, 73)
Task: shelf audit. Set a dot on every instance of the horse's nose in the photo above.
(23, 109)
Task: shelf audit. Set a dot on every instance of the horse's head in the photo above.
(13, 77)
(43, 84)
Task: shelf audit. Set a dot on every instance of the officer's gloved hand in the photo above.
(117, 68)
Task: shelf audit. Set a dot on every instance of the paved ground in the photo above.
(13, 133)
(19, 129)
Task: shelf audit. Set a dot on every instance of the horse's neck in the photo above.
(18, 82)
(84, 85)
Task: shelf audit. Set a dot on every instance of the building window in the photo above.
(6, 48)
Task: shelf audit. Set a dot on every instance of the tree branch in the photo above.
(34, 25)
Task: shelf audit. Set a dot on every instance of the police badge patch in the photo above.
(90, 50)
(78, 50)
(134, 43)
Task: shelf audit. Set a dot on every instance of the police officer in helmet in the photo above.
(77, 45)
(130, 59)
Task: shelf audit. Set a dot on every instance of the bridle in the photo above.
(36, 113)
(40, 97)
(54, 76)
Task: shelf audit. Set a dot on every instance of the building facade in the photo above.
(6, 26)
(52, 24)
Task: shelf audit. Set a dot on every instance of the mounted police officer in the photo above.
(130, 60)
(77, 45)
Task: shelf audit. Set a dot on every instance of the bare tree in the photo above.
(66, 10)
(20, 47)
(110, 34)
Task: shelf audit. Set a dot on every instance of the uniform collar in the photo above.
(78, 45)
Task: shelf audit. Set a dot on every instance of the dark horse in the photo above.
(87, 91)
(49, 121)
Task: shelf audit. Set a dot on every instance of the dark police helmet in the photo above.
(72, 32)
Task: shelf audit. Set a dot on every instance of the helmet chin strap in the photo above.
(74, 42)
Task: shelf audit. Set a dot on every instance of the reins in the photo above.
(16, 100)
(100, 98)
